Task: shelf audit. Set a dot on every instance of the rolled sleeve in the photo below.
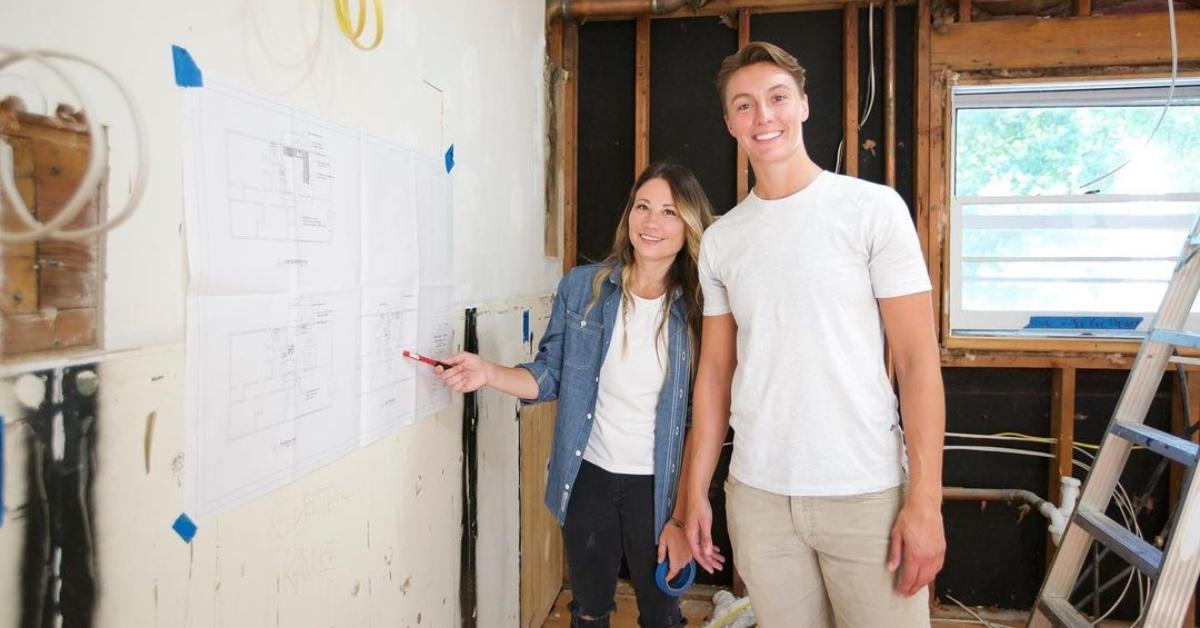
(546, 367)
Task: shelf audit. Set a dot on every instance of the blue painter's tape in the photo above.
(184, 527)
(682, 582)
(450, 158)
(1083, 322)
(187, 73)
(1, 471)
(525, 326)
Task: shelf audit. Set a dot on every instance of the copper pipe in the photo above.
(1006, 495)
(583, 9)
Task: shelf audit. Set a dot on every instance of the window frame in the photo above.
(1050, 92)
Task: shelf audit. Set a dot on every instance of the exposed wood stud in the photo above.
(1062, 428)
(889, 93)
(570, 145)
(743, 162)
(1099, 40)
(921, 149)
(964, 10)
(552, 240)
(1083, 8)
(641, 97)
(939, 127)
(850, 90)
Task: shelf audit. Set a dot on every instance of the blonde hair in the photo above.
(694, 209)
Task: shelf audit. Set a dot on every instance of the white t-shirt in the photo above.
(631, 378)
(812, 408)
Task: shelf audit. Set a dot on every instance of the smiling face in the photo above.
(656, 229)
(765, 111)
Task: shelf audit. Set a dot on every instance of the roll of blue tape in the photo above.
(682, 582)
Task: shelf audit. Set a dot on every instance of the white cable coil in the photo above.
(97, 159)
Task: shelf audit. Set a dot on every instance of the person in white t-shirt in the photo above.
(618, 355)
(803, 281)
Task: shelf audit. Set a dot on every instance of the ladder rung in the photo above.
(1183, 359)
(1175, 337)
(1158, 441)
(1061, 613)
(1143, 556)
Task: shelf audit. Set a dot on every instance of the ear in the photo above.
(728, 128)
(804, 108)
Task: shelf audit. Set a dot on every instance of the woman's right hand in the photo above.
(467, 373)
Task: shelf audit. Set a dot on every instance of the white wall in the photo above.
(303, 555)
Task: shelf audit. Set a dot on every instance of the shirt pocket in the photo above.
(581, 341)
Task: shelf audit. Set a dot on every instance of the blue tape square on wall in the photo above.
(184, 527)
(187, 73)
(450, 159)
(525, 326)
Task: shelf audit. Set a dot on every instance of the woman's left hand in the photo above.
(672, 544)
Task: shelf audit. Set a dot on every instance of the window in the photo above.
(1042, 243)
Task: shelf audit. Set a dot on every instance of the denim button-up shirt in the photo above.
(567, 368)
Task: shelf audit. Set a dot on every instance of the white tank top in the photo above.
(631, 377)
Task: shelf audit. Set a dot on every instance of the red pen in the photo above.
(425, 359)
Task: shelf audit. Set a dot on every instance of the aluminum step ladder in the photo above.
(1174, 568)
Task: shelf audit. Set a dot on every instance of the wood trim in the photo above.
(570, 146)
(998, 359)
(850, 90)
(730, 7)
(939, 196)
(1065, 345)
(889, 93)
(1096, 41)
(921, 147)
(1062, 428)
(641, 97)
(743, 162)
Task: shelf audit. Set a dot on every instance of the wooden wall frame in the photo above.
(1002, 50)
(50, 299)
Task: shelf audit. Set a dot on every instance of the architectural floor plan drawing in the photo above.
(278, 374)
(307, 283)
(388, 379)
(279, 189)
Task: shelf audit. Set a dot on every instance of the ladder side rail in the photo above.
(1138, 393)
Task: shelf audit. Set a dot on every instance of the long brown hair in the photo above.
(696, 213)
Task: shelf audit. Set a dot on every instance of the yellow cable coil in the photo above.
(353, 33)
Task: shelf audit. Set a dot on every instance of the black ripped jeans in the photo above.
(611, 514)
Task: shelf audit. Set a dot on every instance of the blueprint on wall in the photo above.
(310, 273)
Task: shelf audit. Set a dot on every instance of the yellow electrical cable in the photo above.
(342, 7)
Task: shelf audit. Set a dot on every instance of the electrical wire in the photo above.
(981, 620)
(1166, 105)
(97, 149)
(1121, 497)
(97, 159)
(870, 85)
(354, 33)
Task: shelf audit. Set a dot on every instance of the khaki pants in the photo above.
(819, 561)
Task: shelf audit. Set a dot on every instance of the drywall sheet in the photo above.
(309, 275)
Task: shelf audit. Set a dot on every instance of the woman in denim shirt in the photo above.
(618, 354)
